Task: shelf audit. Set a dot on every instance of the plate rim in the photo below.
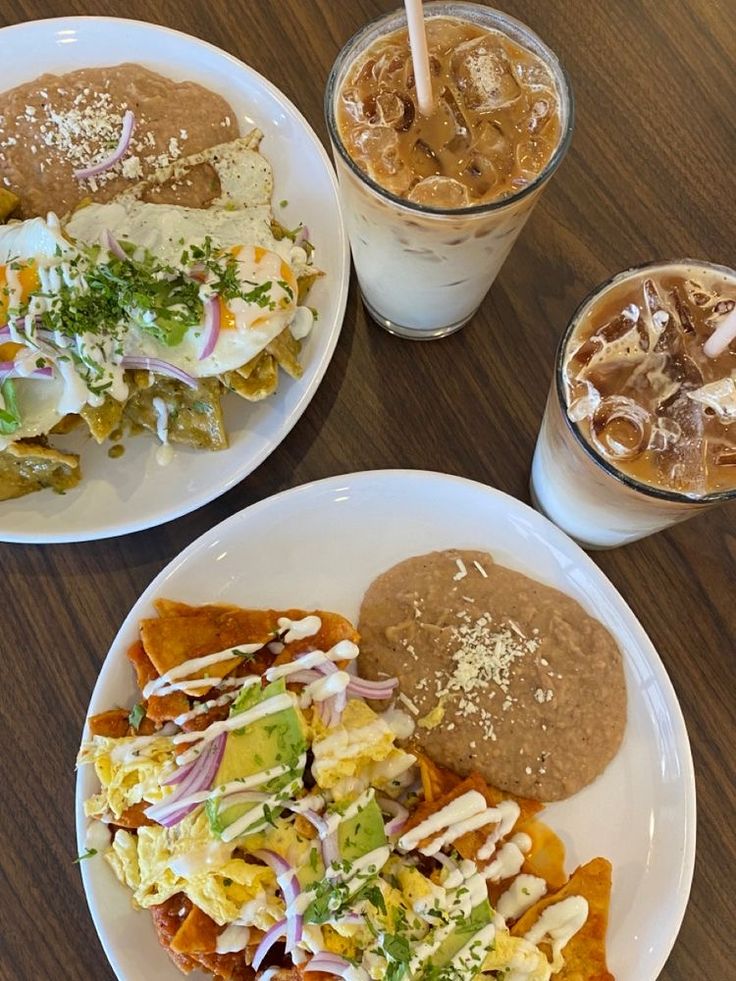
(56, 24)
(675, 714)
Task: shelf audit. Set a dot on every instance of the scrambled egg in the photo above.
(186, 858)
(521, 959)
(358, 753)
(127, 777)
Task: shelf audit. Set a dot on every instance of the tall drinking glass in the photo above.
(423, 270)
(651, 439)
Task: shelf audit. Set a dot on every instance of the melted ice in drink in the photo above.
(650, 376)
(495, 126)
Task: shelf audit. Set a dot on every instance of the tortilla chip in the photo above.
(103, 419)
(436, 781)
(285, 348)
(197, 934)
(134, 817)
(169, 641)
(585, 954)
(194, 414)
(167, 920)
(333, 629)
(304, 283)
(66, 425)
(468, 844)
(113, 724)
(163, 708)
(547, 856)
(144, 669)
(256, 380)
(31, 465)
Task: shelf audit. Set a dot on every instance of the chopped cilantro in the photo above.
(137, 715)
(88, 854)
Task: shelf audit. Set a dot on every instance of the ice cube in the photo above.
(720, 396)
(682, 462)
(583, 399)
(377, 150)
(620, 428)
(388, 109)
(423, 160)
(484, 75)
(440, 192)
(379, 147)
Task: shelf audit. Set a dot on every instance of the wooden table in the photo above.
(649, 175)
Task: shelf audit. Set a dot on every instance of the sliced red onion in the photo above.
(378, 690)
(277, 931)
(112, 245)
(273, 860)
(198, 779)
(328, 964)
(302, 235)
(330, 849)
(161, 367)
(211, 326)
(290, 887)
(304, 677)
(9, 369)
(294, 931)
(399, 812)
(94, 169)
(314, 819)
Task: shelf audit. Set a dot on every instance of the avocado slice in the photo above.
(480, 916)
(276, 740)
(362, 833)
(357, 836)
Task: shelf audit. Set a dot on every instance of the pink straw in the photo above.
(419, 55)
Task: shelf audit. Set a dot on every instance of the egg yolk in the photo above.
(24, 280)
(255, 256)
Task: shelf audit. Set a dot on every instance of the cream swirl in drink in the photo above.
(640, 430)
(435, 202)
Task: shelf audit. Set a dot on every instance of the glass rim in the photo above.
(478, 209)
(671, 496)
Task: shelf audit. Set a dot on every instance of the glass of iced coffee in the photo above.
(640, 426)
(433, 203)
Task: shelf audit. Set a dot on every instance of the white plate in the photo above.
(320, 546)
(134, 492)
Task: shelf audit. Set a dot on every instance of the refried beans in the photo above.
(502, 674)
(57, 124)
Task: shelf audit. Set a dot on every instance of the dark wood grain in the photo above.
(649, 175)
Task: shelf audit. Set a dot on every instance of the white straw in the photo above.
(419, 55)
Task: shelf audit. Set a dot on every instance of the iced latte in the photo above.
(640, 426)
(434, 202)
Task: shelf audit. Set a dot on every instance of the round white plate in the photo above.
(134, 492)
(320, 545)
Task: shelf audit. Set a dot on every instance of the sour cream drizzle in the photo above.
(268, 707)
(458, 810)
(522, 894)
(343, 650)
(299, 629)
(509, 859)
(559, 922)
(170, 681)
(509, 812)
